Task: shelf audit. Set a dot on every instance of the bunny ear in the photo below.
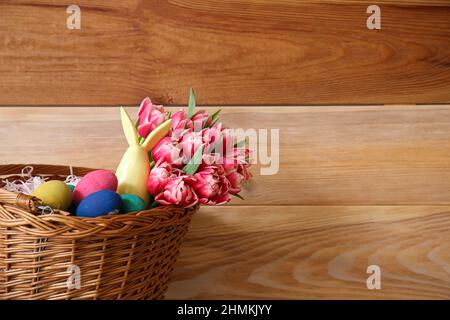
(156, 135)
(128, 128)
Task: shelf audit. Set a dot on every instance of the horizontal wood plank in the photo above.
(328, 155)
(289, 252)
(239, 52)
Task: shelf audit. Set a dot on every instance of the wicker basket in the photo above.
(128, 256)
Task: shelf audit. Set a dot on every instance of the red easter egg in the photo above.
(94, 181)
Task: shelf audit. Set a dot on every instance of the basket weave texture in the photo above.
(127, 256)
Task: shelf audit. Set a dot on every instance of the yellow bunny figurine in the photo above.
(134, 168)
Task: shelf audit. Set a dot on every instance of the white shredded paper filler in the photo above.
(30, 183)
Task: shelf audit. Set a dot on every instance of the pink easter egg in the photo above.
(94, 181)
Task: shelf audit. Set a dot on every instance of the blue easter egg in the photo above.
(100, 203)
(132, 203)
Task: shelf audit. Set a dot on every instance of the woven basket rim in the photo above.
(75, 227)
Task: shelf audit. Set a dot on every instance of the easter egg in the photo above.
(55, 194)
(94, 181)
(100, 203)
(132, 203)
(71, 187)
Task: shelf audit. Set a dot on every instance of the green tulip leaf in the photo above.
(240, 144)
(214, 117)
(214, 122)
(238, 196)
(154, 204)
(191, 167)
(191, 106)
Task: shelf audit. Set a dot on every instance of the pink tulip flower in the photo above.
(235, 157)
(168, 151)
(200, 120)
(189, 144)
(237, 176)
(212, 139)
(178, 191)
(158, 178)
(180, 122)
(235, 179)
(150, 117)
(211, 186)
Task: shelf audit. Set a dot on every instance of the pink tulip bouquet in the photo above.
(198, 161)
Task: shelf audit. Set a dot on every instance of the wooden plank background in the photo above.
(240, 52)
(318, 252)
(290, 238)
(328, 155)
(357, 185)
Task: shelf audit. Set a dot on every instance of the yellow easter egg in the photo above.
(55, 194)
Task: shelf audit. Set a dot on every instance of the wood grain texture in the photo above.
(317, 252)
(383, 2)
(232, 52)
(328, 155)
(271, 245)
